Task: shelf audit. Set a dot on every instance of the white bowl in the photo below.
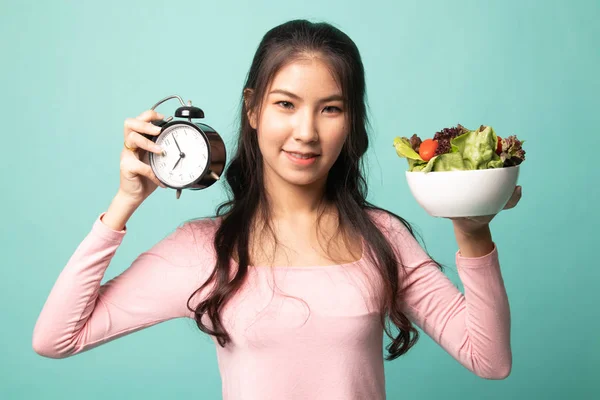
(463, 193)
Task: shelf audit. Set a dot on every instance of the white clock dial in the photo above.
(171, 167)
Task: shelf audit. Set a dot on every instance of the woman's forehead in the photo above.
(311, 79)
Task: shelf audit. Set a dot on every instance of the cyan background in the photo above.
(71, 72)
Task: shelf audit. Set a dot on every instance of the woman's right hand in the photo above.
(137, 178)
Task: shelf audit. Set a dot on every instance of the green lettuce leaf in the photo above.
(422, 166)
(449, 162)
(478, 150)
(404, 149)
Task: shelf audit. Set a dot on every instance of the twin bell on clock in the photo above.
(193, 153)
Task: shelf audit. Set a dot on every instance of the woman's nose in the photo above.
(306, 129)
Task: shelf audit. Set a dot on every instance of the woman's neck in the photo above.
(292, 202)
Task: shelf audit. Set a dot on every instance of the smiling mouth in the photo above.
(303, 156)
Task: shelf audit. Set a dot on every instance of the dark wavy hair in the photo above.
(346, 188)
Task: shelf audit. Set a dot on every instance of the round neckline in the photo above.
(287, 267)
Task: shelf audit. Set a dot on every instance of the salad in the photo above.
(459, 148)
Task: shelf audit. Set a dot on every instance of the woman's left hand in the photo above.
(471, 225)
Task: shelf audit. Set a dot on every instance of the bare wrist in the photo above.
(120, 210)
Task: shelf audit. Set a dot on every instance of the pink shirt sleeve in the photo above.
(474, 328)
(80, 313)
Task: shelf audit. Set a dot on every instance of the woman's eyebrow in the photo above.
(333, 97)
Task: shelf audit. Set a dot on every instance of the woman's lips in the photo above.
(301, 161)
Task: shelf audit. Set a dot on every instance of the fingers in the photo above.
(514, 199)
(135, 140)
(149, 115)
(134, 124)
(133, 130)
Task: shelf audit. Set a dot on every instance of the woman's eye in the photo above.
(288, 105)
(333, 109)
(285, 104)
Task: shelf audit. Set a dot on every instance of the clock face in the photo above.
(184, 158)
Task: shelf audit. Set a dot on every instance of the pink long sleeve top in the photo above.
(309, 332)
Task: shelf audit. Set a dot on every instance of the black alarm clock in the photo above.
(193, 155)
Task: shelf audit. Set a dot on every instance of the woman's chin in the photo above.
(301, 181)
(301, 178)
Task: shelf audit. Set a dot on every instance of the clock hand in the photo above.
(176, 163)
(177, 144)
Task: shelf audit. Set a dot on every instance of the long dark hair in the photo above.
(346, 188)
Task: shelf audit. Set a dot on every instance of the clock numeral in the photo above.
(167, 142)
(191, 175)
(162, 164)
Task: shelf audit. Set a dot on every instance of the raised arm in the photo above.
(80, 313)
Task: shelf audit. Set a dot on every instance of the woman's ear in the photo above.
(251, 114)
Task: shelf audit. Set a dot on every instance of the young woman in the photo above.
(296, 279)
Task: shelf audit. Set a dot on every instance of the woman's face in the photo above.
(303, 111)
